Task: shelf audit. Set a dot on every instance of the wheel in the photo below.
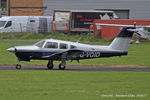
(50, 66)
(131, 42)
(61, 67)
(18, 66)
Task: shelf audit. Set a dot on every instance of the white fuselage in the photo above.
(38, 51)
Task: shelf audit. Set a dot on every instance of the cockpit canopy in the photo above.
(54, 45)
(40, 43)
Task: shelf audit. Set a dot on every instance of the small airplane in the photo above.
(51, 50)
(142, 33)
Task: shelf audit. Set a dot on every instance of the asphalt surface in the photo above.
(79, 68)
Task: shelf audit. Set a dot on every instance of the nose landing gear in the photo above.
(18, 66)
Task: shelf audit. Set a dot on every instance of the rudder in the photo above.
(122, 41)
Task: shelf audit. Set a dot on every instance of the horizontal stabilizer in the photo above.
(119, 25)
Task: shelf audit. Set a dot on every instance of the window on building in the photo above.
(3, 4)
(3, 7)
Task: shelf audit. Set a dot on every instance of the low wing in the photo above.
(117, 25)
(73, 54)
(69, 54)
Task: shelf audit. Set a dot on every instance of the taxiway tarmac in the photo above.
(79, 68)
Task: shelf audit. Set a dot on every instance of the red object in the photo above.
(108, 32)
(38, 29)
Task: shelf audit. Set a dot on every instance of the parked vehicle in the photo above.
(78, 20)
(37, 24)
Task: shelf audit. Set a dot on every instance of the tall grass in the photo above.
(86, 38)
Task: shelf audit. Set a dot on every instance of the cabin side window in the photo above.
(8, 24)
(53, 45)
(72, 47)
(63, 46)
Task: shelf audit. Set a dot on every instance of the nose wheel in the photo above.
(18, 66)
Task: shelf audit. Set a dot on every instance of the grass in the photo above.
(139, 55)
(86, 38)
(73, 85)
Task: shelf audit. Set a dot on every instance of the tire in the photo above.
(18, 66)
(61, 67)
(50, 66)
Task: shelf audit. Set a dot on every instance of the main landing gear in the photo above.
(50, 64)
(61, 66)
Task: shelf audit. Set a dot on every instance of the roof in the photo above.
(14, 17)
(83, 10)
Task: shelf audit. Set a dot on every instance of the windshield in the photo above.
(147, 30)
(2, 23)
(40, 43)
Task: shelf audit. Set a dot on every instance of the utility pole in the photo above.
(8, 7)
(0, 7)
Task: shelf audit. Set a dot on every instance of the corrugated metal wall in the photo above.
(139, 9)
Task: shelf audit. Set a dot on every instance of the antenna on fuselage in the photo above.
(12, 44)
(135, 25)
(78, 40)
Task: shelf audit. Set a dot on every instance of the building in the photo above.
(133, 9)
(2, 7)
(24, 7)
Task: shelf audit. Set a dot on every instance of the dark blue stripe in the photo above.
(125, 33)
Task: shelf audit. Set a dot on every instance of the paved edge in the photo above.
(79, 68)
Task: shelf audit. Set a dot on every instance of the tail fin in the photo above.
(123, 39)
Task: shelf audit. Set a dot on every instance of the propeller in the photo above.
(12, 49)
(15, 50)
